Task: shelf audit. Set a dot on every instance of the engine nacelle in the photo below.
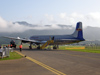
(12, 44)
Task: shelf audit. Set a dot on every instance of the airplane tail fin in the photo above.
(78, 31)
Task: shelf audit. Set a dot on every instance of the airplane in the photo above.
(76, 37)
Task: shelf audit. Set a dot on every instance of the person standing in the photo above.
(8, 45)
(20, 47)
(11, 46)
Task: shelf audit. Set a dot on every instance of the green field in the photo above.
(91, 49)
(13, 55)
(87, 49)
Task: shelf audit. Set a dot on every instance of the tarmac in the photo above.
(52, 62)
(22, 66)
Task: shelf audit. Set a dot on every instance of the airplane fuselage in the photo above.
(58, 39)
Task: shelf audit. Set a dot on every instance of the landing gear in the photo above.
(38, 47)
(55, 47)
(30, 47)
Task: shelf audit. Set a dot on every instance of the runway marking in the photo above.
(20, 53)
(43, 65)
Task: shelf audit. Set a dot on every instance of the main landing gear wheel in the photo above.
(55, 47)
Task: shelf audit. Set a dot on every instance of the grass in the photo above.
(78, 48)
(13, 55)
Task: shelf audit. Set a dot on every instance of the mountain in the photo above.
(90, 33)
(25, 23)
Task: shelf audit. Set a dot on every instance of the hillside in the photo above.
(90, 33)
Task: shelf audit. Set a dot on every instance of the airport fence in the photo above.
(93, 47)
(5, 52)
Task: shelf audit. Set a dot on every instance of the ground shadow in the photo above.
(34, 49)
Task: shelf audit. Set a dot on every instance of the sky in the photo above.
(48, 12)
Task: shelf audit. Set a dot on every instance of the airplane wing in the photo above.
(23, 39)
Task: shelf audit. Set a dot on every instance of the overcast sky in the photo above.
(48, 12)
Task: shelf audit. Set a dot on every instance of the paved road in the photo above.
(22, 67)
(68, 62)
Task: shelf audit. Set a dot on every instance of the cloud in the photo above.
(89, 19)
(3, 23)
(77, 15)
(62, 15)
(95, 15)
(10, 27)
(49, 17)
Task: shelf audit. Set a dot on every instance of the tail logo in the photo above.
(79, 29)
